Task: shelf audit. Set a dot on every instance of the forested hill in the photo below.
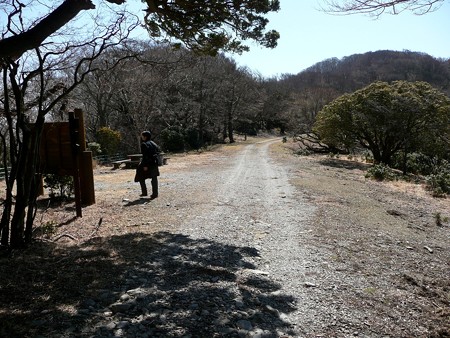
(356, 71)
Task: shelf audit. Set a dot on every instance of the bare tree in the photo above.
(379, 7)
(34, 85)
(41, 43)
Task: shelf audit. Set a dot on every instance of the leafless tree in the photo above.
(379, 7)
(34, 84)
(42, 42)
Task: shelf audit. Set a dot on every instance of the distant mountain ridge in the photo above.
(359, 70)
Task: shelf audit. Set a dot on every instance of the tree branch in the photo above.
(13, 47)
(379, 7)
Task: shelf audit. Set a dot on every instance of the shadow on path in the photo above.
(139, 201)
(345, 164)
(139, 285)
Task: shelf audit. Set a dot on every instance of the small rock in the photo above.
(310, 285)
(136, 292)
(118, 333)
(122, 324)
(258, 272)
(120, 307)
(221, 321)
(271, 309)
(125, 297)
(429, 249)
(259, 333)
(245, 325)
(394, 212)
(110, 326)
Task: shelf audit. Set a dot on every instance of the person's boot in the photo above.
(154, 188)
(143, 189)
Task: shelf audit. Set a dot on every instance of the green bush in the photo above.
(416, 163)
(109, 140)
(439, 219)
(334, 155)
(368, 157)
(59, 186)
(303, 152)
(95, 148)
(381, 172)
(193, 138)
(48, 229)
(172, 140)
(439, 181)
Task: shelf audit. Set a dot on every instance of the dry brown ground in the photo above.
(386, 236)
(383, 235)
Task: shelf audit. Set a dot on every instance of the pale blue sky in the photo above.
(309, 36)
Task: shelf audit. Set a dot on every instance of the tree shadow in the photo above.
(163, 285)
(137, 202)
(67, 222)
(344, 164)
(44, 203)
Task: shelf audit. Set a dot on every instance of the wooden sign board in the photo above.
(56, 153)
(63, 152)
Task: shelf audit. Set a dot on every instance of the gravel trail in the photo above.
(247, 240)
(255, 206)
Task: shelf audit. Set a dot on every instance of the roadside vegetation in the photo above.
(190, 95)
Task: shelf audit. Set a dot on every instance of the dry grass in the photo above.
(362, 230)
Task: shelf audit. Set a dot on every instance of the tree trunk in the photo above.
(6, 216)
(13, 47)
(23, 187)
(201, 129)
(386, 158)
(224, 131)
(26, 186)
(230, 127)
(9, 176)
(376, 155)
(34, 181)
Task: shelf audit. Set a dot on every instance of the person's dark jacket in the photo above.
(148, 150)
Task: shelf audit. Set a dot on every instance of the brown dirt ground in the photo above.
(386, 233)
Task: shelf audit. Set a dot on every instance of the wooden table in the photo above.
(133, 162)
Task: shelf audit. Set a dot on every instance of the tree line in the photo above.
(55, 57)
(386, 102)
(187, 101)
(47, 49)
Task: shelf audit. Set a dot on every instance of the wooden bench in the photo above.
(131, 164)
(117, 164)
(133, 161)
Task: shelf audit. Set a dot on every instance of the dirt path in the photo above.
(245, 241)
(254, 205)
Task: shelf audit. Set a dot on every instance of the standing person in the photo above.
(148, 167)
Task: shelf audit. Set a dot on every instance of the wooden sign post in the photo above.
(63, 152)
